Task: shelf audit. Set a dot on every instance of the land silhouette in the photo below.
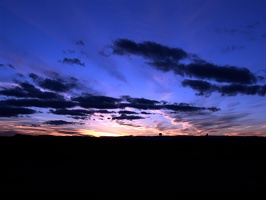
(158, 167)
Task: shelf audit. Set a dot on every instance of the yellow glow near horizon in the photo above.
(99, 133)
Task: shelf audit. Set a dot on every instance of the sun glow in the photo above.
(99, 133)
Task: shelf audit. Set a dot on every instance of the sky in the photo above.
(133, 67)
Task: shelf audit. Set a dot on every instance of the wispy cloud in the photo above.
(7, 65)
(231, 48)
(250, 31)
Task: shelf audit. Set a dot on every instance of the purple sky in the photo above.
(133, 67)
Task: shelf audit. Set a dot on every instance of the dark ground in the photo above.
(133, 167)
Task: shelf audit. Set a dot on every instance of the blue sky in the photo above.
(110, 68)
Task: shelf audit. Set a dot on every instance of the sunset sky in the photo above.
(133, 67)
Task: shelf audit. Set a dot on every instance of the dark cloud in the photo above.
(80, 42)
(141, 101)
(28, 95)
(100, 102)
(127, 117)
(149, 50)
(234, 89)
(79, 113)
(27, 90)
(167, 59)
(57, 85)
(203, 87)
(209, 71)
(213, 109)
(12, 111)
(41, 103)
(206, 88)
(229, 74)
(74, 112)
(59, 122)
(72, 61)
(146, 104)
(105, 102)
(145, 113)
(127, 112)
(187, 108)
